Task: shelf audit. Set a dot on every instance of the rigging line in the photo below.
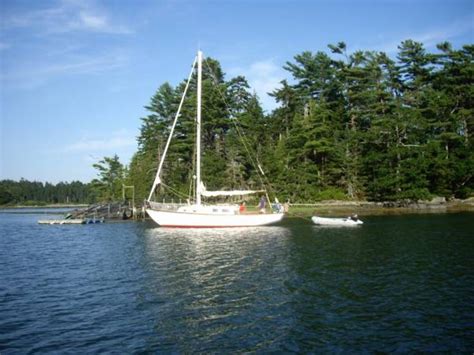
(176, 192)
(238, 131)
(254, 160)
(262, 177)
(245, 144)
(157, 178)
(256, 166)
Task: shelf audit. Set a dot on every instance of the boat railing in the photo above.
(165, 206)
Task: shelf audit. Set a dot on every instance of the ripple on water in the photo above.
(396, 284)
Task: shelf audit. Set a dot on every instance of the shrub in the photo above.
(331, 194)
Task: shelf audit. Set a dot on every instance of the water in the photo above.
(399, 283)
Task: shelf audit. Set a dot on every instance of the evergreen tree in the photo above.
(350, 125)
(111, 178)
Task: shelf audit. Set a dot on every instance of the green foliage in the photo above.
(5, 196)
(33, 193)
(415, 194)
(349, 126)
(331, 194)
(108, 187)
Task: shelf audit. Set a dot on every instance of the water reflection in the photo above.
(218, 284)
(213, 257)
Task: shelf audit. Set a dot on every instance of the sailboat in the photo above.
(199, 214)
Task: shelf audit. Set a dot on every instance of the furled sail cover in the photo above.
(229, 193)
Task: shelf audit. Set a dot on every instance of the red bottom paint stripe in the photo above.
(167, 226)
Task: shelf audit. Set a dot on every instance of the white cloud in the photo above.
(264, 76)
(59, 52)
(91, 148)
(85, 65)
(66, 16)
(103, 145)
(429, 38)
(31, 76)
(93, 21)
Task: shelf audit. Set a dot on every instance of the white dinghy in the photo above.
(341, 222)
(197, 214)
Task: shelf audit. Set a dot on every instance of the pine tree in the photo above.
(111, 178)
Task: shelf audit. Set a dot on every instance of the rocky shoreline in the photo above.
(342, 208)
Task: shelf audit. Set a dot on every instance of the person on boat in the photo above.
(277, 207)
(262, 204)
(242, 207)
(286, 206)
(354, 217)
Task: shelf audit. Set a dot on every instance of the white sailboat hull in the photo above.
(204, 220)
(322, 221)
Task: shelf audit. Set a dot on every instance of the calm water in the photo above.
(399, 283)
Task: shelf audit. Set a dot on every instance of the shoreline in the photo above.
(336, 208)
(367, 208)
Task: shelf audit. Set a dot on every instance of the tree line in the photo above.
(112, 174)
(26, 192)
(359, 125)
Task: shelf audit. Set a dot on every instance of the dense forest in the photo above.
(356, 125)
(108, 186)
(26, 192)
(362, 126)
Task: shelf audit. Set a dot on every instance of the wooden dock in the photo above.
(99, 213)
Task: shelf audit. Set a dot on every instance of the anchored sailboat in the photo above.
(197, 214)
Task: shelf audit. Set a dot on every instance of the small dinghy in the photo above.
(349, 221)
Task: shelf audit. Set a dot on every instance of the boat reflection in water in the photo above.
(222, 281)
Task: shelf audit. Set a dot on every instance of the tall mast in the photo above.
(198, 130)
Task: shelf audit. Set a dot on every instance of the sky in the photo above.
(75, 75)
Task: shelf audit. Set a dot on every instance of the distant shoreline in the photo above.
(68, 205)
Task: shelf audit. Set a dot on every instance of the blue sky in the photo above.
(76, 74)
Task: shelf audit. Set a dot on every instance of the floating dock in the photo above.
(71, 221)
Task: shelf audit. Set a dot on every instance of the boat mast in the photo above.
(198, 130)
